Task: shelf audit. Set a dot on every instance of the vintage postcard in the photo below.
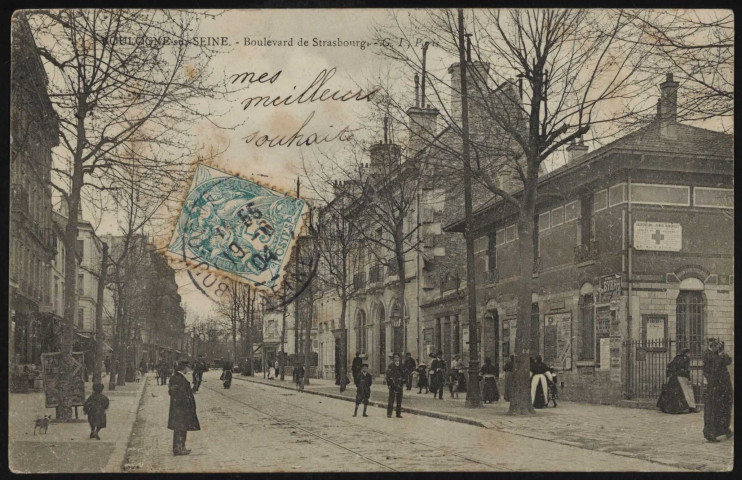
(313, 240)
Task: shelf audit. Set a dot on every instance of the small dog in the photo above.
(41, 424)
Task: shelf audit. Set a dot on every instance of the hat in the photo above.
(683, 351)
(365, 365)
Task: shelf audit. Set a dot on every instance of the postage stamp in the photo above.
(237, 227)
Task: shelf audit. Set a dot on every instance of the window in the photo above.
(362, 332)
(617, 194)
(587, 316)
(81, 248)
(600, 200)
(690, 310)
(492, 252)
(456, 338)
(713, 197)
(660, 194)
(81, 318)
(536, 241)
(535, 340)
(544, 221)
(557, 216)
(80, 282)
(587, 222)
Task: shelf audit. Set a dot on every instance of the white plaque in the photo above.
(658, 236)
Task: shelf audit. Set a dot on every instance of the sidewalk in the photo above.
(675, 440)
(67, 448)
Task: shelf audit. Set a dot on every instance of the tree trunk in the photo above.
(283, 337)
(97, 376)
(248, 326)
(308, 339)
(520, 398)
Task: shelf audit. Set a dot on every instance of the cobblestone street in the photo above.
(674, 440)
(254, 427)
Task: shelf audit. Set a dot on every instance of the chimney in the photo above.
(476, 81)
(668, 107)
(422, 123)
(575, 151)
(384, 157)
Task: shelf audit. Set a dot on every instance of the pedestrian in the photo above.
(363, 389)
(409, 365)
(143, 366)
(95, 406)
(488, 373)
(539, 383)
(182, 416)
(107, 364)
(227, 375)
(438, 378)
(198, 371)
(299, 376)
(459, 370)
(356, 366)
(396, 376)
(717, 412)
(509, 378)
(677, 393)
(422, 378)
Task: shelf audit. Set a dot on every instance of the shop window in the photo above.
(690, 311)
(587, 325)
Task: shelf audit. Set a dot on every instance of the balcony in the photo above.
(586, 253)
(375, 274)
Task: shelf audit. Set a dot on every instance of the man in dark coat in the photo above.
(717, 412)
(182, 417)
(356, 366)
(363, 389)
(438, 375)
(410, 365)
(198, 372)
(396, 376)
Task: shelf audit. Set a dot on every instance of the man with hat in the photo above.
(410, 365)
(396, 376)
(363, 389)
(438, 375)
(182, 416)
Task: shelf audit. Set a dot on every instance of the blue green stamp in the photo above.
(237, 227)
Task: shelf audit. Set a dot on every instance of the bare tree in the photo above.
(698, 47)
(569, 65)
(111, 94)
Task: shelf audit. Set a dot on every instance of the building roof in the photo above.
(689, 141)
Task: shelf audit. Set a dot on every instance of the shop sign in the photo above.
(609, 287)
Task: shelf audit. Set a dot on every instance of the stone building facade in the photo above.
(33, 133)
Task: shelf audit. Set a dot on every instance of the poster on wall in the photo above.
(558, 340)
(50, 363)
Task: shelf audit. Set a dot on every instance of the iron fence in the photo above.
(646, 364)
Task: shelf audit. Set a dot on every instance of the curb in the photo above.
(415, 411)
(118, 457)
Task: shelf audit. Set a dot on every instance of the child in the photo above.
(453, 383)
(95, 406)
(137, 376)
(422, 378)
(299, 376)
(363, 389)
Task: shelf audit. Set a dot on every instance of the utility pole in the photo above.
(473, 395)
(99, 316)
(296, 275)
(282, 364)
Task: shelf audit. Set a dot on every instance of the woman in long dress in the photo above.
(717, 412)
(539, 383)
(677, 394)
(227, 375)
(438, 375)
(488, 373)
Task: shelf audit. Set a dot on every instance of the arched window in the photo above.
(690, 309)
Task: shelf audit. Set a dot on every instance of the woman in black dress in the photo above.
(488, 373)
